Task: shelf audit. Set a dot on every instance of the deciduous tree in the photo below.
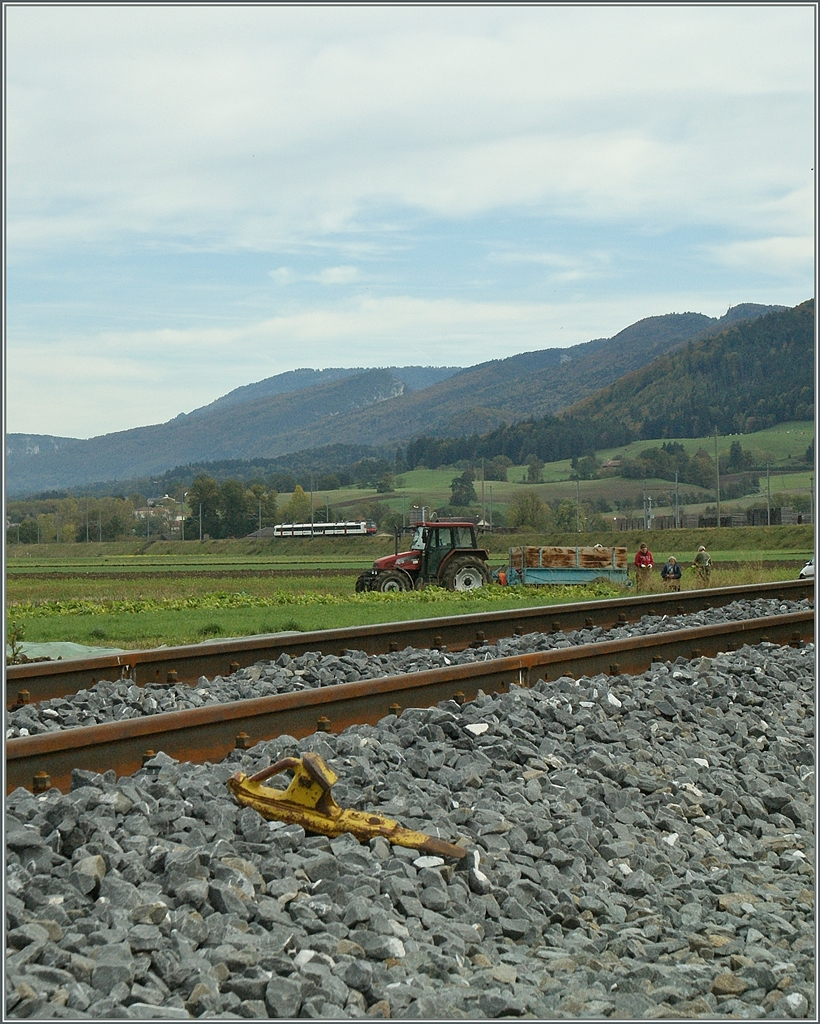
(462, 491)
(527, 509)
(297, 508)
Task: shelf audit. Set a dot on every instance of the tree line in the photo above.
(51, 520)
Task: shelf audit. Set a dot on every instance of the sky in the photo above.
(202, 196)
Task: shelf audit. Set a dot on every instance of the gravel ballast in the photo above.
(122, 699)
(638, 846)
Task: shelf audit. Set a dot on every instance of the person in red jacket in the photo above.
(644, 564)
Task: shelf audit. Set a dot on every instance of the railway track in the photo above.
(210, 733)
(38, 681)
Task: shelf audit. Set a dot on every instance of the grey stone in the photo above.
(88, 873)
(230, 899)
(358, 975)
(147, 1011)
(283, 997)
(114, 965)
(379, 947)
(27, 934)
(144, 937)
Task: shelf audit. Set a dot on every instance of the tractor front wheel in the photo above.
(465, 574)
(391, 581)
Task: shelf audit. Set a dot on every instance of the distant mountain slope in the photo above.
(307, 409)
(580, 370)
(229, 432)
(485, 396)
(748, 376)
(23, 446)
(413, 378)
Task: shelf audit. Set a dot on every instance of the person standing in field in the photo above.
(644, 564)
(703, 566)
(671, 574)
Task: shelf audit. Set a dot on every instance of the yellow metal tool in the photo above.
(308, 802)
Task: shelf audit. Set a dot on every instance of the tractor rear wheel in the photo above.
(391, 581)
(465, 574)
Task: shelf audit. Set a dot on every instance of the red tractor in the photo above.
(443, 554)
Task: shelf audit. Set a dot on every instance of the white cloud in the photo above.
(337, 275)
(259, 128)
(282, 275)
(779, 255)
(560, 268)
(328, 275)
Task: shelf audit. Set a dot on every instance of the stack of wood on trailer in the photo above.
(537, 565)
(553, 557)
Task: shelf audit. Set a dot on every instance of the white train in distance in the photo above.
(361, 528)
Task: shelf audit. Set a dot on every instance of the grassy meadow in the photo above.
(173, 593)
(778, 446)
(142, 594)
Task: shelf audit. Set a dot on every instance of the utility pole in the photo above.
(491, 508)
(99, 515)
(649, 522)
(677, 515)
(86, 518)
(811, 498)
(200, 522)
(578, 503)
(717, 471)
(483, 507)
(768, 498)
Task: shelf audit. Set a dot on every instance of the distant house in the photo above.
(613, 464)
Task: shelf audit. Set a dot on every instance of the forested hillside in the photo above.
(747, 377)
(305, 410)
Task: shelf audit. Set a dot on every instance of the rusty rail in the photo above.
(44, 680)
(210, 733)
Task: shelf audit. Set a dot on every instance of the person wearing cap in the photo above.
(644, 564)
(703, 565)
(671, 574)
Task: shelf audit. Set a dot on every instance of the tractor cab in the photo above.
(436, 542)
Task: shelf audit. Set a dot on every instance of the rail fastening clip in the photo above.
(308, 802)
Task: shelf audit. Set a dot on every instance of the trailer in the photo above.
(537, 566)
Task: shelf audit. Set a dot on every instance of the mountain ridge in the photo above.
(276, 416)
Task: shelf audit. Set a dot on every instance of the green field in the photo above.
(143, 593)
(169, 594)
(777, 446)
(608, 496)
